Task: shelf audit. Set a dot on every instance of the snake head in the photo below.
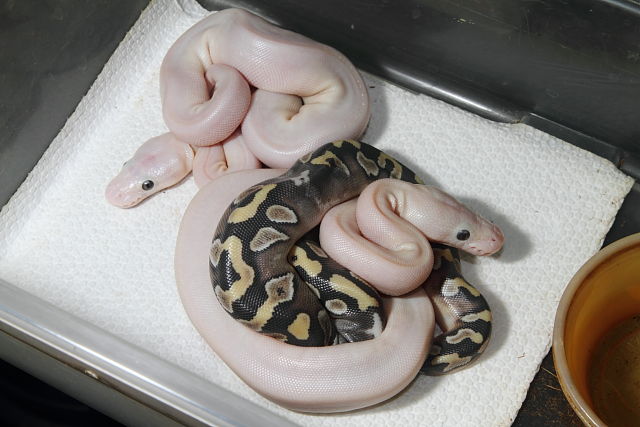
(158, 164)
(479, 237)
(454, 224)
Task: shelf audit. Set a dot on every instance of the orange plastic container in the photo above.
(602, 295)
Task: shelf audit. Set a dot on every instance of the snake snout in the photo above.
(487, 245)
(121, 197)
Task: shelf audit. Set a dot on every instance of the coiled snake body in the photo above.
(267, 275)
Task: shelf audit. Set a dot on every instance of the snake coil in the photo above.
(269, 272)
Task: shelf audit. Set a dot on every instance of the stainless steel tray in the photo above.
(53, 55)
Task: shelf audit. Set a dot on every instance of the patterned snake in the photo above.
(268, 274)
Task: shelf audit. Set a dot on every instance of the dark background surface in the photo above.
(569, 68)
(567, 65)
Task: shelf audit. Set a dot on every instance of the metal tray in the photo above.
(571, 69)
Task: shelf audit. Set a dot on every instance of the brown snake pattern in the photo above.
(269, 274)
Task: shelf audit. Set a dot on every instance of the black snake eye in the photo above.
(463, 235)
(147, 185)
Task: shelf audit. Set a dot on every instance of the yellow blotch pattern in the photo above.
(300, 259)
(463, 334)
(299, 328)
(452, 360)
(247, 212)
(324, 160)
(278, 290)
(233, 246)
(483, 315)
(346, 286)
(356, 144)
(396, 172)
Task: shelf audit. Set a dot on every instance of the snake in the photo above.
(238, 92)
(270, 273)
(301, 94)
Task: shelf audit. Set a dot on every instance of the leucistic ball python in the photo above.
(236, 92)
(256, 237)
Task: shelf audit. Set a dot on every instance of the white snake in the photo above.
(305, 94)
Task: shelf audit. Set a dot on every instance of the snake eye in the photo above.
(147, 185)
(463, 235)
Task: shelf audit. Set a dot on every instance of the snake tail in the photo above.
(461, 312)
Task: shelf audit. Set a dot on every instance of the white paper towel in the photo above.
(61, 241)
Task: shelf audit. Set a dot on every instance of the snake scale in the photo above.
(269, 272)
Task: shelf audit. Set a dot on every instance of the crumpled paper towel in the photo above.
(61, 241)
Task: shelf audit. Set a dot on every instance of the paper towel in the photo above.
(61, 241)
